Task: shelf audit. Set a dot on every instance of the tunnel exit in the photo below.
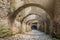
(34, 26)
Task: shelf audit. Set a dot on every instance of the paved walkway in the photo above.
(33, 35)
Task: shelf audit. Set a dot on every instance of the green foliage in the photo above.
(4, 31)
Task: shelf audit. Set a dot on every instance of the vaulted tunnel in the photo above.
(15, 13)
(44, 19)
(31, 18)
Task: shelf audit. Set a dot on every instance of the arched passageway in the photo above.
(42, 22)
(31, 14)
(30, 20)
(15, 13)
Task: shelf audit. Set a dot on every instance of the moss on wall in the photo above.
(4, 31)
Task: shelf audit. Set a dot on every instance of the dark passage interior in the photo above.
(34, 26)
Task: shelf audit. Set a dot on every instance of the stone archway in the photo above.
(34, 24)
(15, 13)
(28, 18)
(31, 14)
(45, 27)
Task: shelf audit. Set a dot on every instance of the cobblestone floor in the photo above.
(33, 35)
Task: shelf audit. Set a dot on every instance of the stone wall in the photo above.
(48, 4)
(57, 17)
(4, 10)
